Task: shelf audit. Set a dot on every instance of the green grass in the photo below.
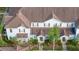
(1, 16)
(1, 28)
(2, 43)
(2, 9)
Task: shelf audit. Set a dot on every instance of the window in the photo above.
(37, 24)
(78, 35)
(60, 24)
(11, 30)
(67, 25)
(71, 25)
(56, 25)
(33, 24)
(19, 30)
(44, 24)
(10, 37)
(41, 38)
(49, 24)
(24, 30)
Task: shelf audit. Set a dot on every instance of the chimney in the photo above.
(41, 32)
(66, 31)
(54, 16)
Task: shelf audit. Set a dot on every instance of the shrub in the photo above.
(47, 47)
(58, 48)
(72, 45)
(72, 42)
(72, 48)
(58, 42)
(33, 41)
(47, 41)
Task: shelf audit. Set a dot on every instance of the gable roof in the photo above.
(15, 22)
(36, 14)
(7, 18)
(41, 14)
(53, 20)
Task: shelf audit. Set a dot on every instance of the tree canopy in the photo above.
(54, 33)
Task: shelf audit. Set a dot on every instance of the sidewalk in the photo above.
(7, 49)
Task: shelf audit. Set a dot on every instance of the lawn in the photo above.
(3, 43)
(2, 9)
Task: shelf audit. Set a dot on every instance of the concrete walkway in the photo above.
(40, 47)
(64, 46)
(7, 49)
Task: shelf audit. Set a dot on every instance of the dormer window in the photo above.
(19, 30)
(71, 25)
(55, 24)
(44, 24)
(60, 24)
(48, 24)
(24, 30)
(33, 24)
(11, 30)
(67, 25)
(37, 24)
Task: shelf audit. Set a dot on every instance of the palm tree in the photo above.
(53, 35)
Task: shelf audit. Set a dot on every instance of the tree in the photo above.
(1, 28)
(53, 35)
(2, 9)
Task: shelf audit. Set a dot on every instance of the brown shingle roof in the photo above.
(37, 13)
(7, 18)
(44, 13)
(41, 14)
(15, 22)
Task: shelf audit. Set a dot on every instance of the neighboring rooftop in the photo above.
(13, 10)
